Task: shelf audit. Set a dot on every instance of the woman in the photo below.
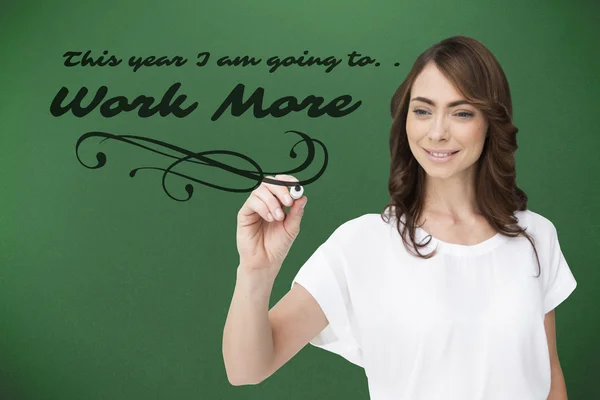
(471, 319)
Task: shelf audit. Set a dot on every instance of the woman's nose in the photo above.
(439, 127)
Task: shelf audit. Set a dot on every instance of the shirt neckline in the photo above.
(459, 249)
(487, 245)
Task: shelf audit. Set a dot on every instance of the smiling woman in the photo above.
(474, 322)
(431, 121)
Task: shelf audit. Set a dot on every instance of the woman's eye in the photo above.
(462, 114)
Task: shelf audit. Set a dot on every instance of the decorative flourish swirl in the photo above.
(257, 175)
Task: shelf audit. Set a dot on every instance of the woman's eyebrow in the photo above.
(451, 104)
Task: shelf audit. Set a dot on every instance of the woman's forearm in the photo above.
(558, 388)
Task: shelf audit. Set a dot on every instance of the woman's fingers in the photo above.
(280, 191)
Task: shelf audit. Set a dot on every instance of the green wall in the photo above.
(112, 289)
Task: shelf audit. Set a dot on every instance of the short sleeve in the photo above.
(323, 276)
(559, 282)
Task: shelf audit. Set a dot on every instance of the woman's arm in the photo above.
(558, 389)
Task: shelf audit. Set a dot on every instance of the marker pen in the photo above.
(296, 192)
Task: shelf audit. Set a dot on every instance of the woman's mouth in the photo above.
(440, 157)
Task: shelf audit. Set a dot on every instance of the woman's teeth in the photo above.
(441, 157)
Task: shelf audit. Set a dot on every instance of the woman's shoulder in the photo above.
(359, 228)
(366, 220)
(534, 221)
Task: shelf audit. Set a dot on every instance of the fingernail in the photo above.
(288, 199)
(279, 213)
(305, 201)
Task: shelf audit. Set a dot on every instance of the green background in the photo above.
(109, 289)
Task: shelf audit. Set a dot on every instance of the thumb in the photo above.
(294, 217)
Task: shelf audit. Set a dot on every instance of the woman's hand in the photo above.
(265, 237)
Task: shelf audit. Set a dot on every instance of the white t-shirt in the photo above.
(467, 324)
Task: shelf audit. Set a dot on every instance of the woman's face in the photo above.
(443, 126)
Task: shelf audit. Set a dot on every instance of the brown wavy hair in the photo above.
(476, 73)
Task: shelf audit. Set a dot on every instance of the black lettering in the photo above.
(284, 105)
(118, 104)
(57, 109)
